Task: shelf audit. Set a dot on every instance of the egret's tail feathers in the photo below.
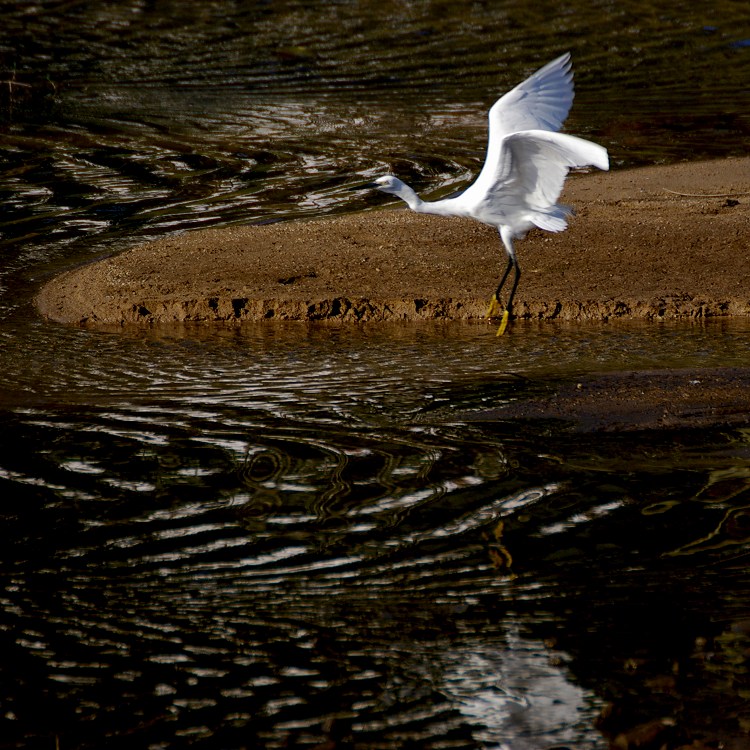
(553, 219)
(550, 223)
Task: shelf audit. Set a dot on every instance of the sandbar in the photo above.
(659, 243)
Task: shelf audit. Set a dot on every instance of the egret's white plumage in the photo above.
(526, 165)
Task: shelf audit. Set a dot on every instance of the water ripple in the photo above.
(289, 536)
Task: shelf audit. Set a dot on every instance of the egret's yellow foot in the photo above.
(495, 307)
(503, 323)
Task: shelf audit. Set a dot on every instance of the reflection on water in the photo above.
(283, 536)
(294, 536)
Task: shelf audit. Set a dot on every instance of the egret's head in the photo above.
(388, 184)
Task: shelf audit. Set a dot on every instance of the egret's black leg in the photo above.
(496, 305)
(503, 280)
(509, 305)
(516, 278)
(506, 237)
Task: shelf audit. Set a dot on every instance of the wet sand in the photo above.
(639, 400)
(662, 242)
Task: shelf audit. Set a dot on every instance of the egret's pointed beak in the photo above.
(364, 186)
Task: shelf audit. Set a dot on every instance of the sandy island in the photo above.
(661, 242)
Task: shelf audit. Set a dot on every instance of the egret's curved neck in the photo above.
(409, 197)
(415, 203)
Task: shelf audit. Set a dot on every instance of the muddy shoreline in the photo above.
(637, 400)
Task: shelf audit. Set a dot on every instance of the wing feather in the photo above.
(541, 102)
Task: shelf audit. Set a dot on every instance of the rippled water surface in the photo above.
(293, 536)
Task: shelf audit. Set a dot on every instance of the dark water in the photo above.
(293, 536)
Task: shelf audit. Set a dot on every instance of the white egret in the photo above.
(523, 174)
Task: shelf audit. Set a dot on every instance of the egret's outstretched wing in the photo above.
(541, 102)
(531, 170)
